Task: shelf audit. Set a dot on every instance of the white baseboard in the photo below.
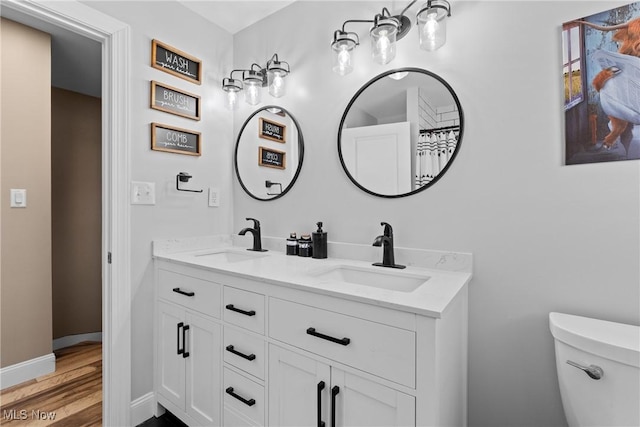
(143, 408)
(70, 340)
(27, 370)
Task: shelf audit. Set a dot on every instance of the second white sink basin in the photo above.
(231, 255)
(377, 277)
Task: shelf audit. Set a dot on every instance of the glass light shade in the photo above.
(277, 84)
(231, 87)
(383, 42)
(276, 72)
(343, 48)
(432, 25)
(231, 100)
(252, 87)
(252, 92)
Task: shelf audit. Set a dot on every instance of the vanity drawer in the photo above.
(244, 351)
(244, 309)
(244, 396)
(379, 349)
(195, 294)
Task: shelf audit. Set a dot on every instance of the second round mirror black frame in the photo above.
(367, 85)
(286, 189)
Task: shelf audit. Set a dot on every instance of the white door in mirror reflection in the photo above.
(379, 157)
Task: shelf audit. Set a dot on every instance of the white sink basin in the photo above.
(377, 277)
(231, 255)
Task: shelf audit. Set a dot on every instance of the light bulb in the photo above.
(383, 42)
(431, 27)
(252, 93)
(277, 86)
(383, 46)
(344, 59)
(232, 100)
(342, 47)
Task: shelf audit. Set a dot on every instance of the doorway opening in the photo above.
(114, 38)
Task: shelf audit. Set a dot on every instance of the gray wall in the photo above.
(176, 214)
(545, 237)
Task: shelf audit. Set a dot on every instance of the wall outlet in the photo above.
(143, 193)
(214, 197)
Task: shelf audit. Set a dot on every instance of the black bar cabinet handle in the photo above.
(180, 350)
(334, 392)
(251, 356)
(249, 402)
(187, 293)
(185, 353)
(341, 341)
(237, 310)
(320, 388)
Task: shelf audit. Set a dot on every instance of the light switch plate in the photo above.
(18, 198)
(143, 193)
(214, 197)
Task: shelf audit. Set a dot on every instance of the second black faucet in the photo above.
(386, 241)
(257, 239)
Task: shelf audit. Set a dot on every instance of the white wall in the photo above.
(545, 237)
(176, 214)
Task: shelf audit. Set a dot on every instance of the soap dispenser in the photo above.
(319, 240)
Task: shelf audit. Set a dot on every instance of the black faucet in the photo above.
(386, 241)
(257, 240)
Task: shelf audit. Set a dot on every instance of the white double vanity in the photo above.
(248, 338)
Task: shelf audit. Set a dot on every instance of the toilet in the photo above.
(598, 366)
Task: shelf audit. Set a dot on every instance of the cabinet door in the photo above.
(360, 402)
(171, 363)
(203, 340)
(298, 390)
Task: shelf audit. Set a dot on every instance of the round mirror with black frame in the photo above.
(269, 153)
(400, 132)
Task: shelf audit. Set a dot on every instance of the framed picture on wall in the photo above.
(174, 101)
(175, 140)
(601, 70)
(271, 158)
(176, 62)
(272, 131)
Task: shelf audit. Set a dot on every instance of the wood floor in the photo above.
(70, 396)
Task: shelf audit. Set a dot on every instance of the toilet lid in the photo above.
(614, 341)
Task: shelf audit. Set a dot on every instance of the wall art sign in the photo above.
(176, 62)
(175, 140)
(601, 70)
(273, 131)
(175, 101)
(271, 158)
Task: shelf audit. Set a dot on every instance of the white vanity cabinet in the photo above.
(306, 392)
(351, 399)
(188, 347)
(267, 352)
(245, 400)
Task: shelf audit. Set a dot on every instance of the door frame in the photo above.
(114, 37)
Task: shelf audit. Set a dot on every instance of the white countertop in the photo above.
(429, 299)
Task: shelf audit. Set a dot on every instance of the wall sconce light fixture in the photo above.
(432, 24)
(387, 29)
(254, 79)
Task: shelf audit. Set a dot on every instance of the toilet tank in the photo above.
(612, 400)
